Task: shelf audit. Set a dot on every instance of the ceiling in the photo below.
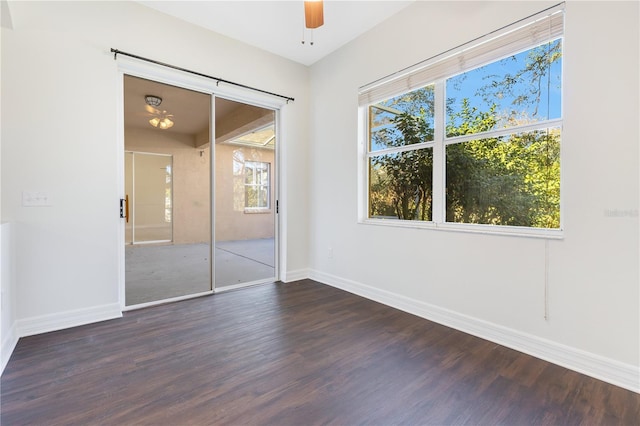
(278, 26)
(190, 109)
(236, 123)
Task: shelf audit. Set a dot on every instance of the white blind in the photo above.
(515, 38)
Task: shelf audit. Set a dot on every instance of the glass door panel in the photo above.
(128, 190)
(245, 215)
(168, 185)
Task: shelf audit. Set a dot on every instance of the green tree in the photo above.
(486, 178)
(525, 86)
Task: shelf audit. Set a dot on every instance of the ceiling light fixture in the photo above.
(161, 120)
(163, 123)
(313, 14)
(152, 100)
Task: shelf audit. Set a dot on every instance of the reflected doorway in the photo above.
(149, 193)
(168, 187)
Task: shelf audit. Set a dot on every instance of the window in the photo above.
(401, 156)
(256, 185)
(470, 139)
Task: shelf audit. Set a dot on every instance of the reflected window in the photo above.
(256, 185)
(168, 198)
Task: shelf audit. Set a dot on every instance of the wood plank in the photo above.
(291, 354)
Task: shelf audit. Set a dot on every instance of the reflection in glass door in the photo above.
(245, 196)
(168, 185)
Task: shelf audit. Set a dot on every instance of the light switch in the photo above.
(35, 199)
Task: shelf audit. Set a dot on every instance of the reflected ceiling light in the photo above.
(152, 100)
(313, 14)
(161, 121)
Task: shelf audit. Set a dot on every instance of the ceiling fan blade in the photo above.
(152, 110)
(313, 14)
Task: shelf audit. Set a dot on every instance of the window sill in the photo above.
(472, 228)
(256, 211)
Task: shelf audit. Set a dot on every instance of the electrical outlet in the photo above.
(330, 252)
(35, 199)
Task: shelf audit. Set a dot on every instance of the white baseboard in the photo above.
(9, 343)
(68, 319)
(617, 373)
(295, 275)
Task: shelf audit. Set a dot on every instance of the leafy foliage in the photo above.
(525, 86)
(512, 180)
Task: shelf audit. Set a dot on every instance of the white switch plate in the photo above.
(35, 199)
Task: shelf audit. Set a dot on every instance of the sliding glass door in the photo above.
(200, 180)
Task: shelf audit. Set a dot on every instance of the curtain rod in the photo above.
(117, 52)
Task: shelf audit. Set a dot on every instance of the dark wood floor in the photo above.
(291, 354)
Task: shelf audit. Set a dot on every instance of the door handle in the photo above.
(124, 208)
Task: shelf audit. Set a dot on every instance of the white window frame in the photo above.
(510, 40)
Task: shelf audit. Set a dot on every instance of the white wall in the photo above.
(59, 103)
(8, 333)
(492, 285)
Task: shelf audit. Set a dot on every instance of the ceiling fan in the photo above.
(313, 14)
(159, 118)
